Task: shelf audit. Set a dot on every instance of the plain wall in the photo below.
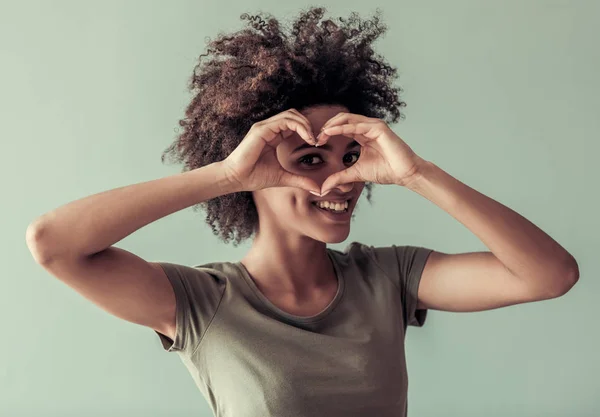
(503, 95)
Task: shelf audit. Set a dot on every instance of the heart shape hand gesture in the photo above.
(385, 158)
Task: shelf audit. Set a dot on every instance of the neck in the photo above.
(297, 266)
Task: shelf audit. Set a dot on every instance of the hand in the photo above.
(384, 157)
(253, 164)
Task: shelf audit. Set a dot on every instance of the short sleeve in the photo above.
(197, 296)
(404, 266)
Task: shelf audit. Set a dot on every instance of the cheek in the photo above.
(276, 200)
(316, 174)
(290, 203)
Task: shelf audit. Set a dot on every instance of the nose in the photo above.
(343, 188)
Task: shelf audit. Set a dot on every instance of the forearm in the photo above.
(521, 246)
(94, 223)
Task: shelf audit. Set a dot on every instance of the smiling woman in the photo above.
(286, 126)
(304, 329)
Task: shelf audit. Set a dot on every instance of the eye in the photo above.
(308, 158)
(357, 154)
(304, 160)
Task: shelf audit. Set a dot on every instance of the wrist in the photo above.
(416, 174)
(226, 182)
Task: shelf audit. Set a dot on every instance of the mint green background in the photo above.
(502, 95)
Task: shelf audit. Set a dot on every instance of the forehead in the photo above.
(319, 114)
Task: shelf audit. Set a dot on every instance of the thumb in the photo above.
(340, 177)
(291, 180)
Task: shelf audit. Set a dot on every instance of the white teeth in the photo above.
(332, 205)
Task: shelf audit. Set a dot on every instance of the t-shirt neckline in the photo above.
(301, 319)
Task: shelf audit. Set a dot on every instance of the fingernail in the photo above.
(317, 194)
(324, 193)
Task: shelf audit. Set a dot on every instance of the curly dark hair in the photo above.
(261, 71)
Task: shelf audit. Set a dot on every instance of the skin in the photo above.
(288, 259)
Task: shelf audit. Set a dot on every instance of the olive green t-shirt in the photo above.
(251, 359)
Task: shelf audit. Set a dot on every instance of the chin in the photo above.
(329, 232)
(332, 236)
(335, 240)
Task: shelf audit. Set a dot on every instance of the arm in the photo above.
(74, 243)
(89, 225)
(525, 264)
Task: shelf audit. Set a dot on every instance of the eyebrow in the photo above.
(326, 146)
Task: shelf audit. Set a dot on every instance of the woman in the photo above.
(283, 134)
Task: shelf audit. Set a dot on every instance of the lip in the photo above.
(337, 200)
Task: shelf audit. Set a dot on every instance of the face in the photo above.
(293, 211)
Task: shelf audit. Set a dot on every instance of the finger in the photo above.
(282, 128)
(334, 119)
(341, 177)
(302, 118)
(304, 132)
(296, 115)
(363, 133)
(343, 117)
(309, 125)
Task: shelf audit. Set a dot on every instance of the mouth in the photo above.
(333, 208)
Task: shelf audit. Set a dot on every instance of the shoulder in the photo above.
(211, 273)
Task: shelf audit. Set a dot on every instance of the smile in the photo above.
(332, 207)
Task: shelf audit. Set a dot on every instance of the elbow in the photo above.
(32, 239)
(570, 278)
